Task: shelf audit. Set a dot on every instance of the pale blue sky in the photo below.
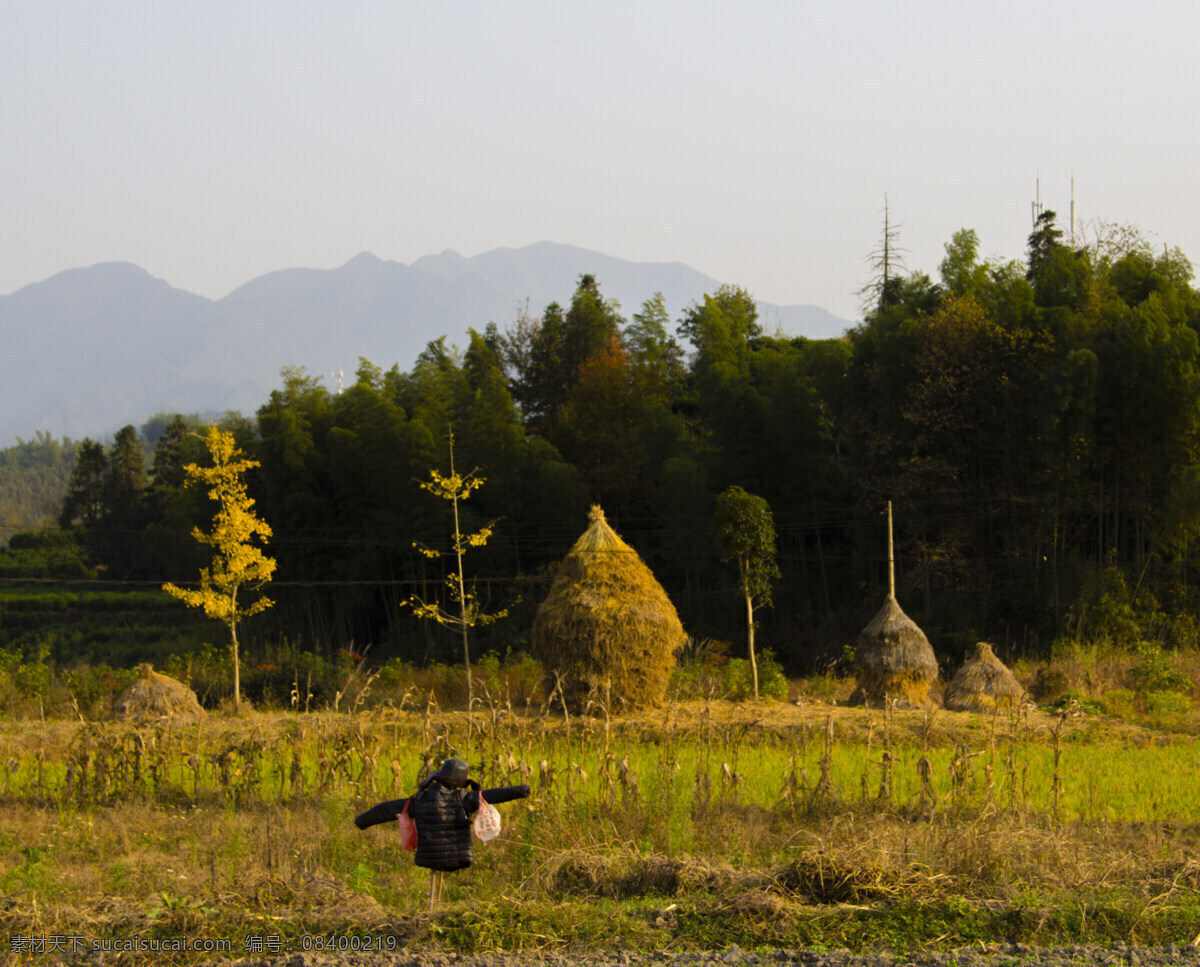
(212, 141)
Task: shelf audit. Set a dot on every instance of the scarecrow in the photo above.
(442, 809)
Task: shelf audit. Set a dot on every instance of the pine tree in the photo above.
(84, 499)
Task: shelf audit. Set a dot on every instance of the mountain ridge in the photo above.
(93, 348)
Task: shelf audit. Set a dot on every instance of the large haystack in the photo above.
(895, 661)
(607, 629)
(983, 684)
(155, 696)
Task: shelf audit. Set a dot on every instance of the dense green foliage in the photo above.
(1035, 424)
(33, 479)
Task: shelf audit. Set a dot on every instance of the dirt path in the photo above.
(1117, 955)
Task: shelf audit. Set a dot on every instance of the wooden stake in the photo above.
(891, 557)
(437, 881)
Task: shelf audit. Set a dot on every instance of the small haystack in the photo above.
(607, 628)
(155, 696)
(983, 684)
(896, 663)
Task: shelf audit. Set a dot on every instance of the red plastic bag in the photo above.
(408, 829)
(487, 820)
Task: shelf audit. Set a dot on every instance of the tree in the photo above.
(548, 356)
(238, 562)
(730, 312)
(1059, 276)
(746, 535)
(453, 488)
(170, 507)
(33, 481)
(84, 500)
(616, 429)
(535, 352)
(493, 436)
(167, 470)
(126, 477)
(590, 325)
(722, 331)
(886, 262)
(977, 390)
(118, 533)
(293, 481)
(650, 342)
(1043, 242)
(962, 273)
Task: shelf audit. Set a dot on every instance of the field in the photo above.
(699, 825)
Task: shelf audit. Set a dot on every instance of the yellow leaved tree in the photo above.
(237, 562)
(453, 488)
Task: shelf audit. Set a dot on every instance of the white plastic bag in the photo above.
(487, 820)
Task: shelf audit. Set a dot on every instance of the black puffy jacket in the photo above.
(443, 816)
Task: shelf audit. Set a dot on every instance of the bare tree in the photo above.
(886, 262)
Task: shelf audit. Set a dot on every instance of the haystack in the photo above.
(896, 663)
(983, 684)
(155, 696)
(607, 628)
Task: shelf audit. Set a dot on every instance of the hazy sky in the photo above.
(211, 141)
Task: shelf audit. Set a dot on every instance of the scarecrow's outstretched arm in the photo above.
(495, 796)
(384, 812)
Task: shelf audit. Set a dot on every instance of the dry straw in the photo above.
(155, 696)
(983, 684)
(607, 629)
(896, 663)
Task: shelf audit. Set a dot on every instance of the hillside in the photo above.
(92, 349)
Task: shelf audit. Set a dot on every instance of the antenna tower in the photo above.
(1072, 209)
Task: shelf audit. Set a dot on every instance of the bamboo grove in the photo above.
(1034, 422)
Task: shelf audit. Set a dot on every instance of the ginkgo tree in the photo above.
(467, 613)
(238, 562)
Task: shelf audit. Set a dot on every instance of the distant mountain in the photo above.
(92, 349)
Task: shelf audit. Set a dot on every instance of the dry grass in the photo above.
(139, 871)
(601, 828)
(623, 872)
